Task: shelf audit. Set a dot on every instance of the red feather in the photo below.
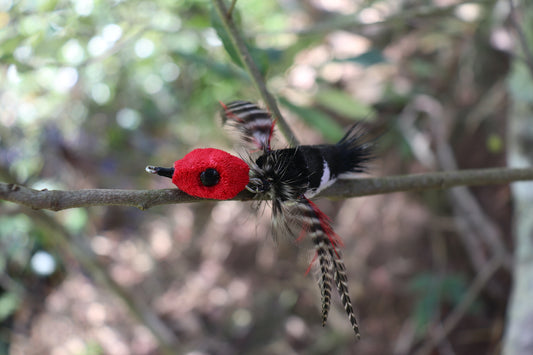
(333, 237)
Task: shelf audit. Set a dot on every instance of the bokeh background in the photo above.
(92, 91)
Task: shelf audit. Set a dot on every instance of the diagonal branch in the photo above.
(242, 50)
(476, 286)
(57, 200)
(72, 246)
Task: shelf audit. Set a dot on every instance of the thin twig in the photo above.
(477, 227)
(251, 67)
(521, 37)
(231, 7)
(56, 200)
(458, 313)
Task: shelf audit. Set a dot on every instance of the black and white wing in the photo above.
(254, 124)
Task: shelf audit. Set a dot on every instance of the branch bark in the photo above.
(57, 200)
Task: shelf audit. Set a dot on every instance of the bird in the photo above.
(288, 178)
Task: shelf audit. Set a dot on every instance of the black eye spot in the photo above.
(209, 177)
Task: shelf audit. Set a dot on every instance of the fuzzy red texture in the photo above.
(233, 171)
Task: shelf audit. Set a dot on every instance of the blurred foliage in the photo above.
(434, 292)
(92, 91)
(9, 303)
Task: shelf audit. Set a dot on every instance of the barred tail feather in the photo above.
(331, 267)
(341, 281)
(330, 262)
(334, 239)
(323, 255)
(254, 124)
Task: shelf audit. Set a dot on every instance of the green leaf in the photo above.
(14, 225)
(92, 348)
(373, 56)
(224, 36)
(9, 303)
(495, 143)
(75, 220)
(259, 56)
(343, 104)
(422, 68)
(433, 291)
(331, 130)
(7, 47)
(261, 59)
(46, 5)
(520, 83)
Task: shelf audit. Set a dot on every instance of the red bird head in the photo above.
(207, 173)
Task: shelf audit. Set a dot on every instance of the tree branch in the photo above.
(250, 66)
(57, 200)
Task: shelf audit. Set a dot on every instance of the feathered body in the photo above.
(288, 177)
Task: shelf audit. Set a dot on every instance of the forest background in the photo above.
(93, 91)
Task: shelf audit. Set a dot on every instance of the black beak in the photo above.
(167, 172)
